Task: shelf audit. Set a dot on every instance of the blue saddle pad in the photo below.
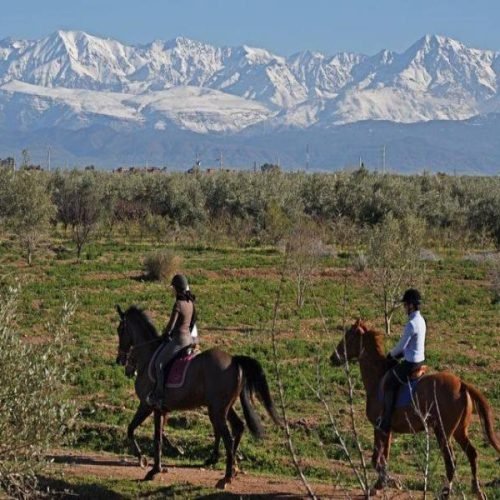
(404, 397)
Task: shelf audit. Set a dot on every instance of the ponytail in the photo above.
(186, 295)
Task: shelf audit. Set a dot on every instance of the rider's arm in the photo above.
(171, 322)
(398, 349)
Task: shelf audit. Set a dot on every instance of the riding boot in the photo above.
(384, 424)
(156, 396)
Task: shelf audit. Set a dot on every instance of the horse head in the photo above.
(350, 347)
(135, 331)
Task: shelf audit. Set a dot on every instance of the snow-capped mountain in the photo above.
(73, 80)
(436, 78)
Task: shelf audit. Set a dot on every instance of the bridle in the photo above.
(126, 354)
(361, 347)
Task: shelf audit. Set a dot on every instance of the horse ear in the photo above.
(119, 311)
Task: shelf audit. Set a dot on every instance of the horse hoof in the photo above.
(151, 474)
(393, 483)
(222, 483)
(479, 494)
(143, 461)
(445, 493)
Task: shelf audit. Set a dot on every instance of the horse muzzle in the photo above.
(121, 359)
(129, 371)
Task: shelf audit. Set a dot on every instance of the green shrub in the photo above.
(36, 414)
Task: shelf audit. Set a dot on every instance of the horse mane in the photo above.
(371, 335)
(136, 313)
(378, 339)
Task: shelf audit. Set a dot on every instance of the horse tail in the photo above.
(485, 413)
(255, 383)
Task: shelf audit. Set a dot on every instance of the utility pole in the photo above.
(307, 157)
(383, 159)
(48, 158)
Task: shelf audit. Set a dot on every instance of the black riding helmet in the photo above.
(180, 283)
(412, 296)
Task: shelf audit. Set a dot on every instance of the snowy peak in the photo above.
(446, 65)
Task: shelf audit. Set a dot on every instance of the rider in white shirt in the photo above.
(411, 347)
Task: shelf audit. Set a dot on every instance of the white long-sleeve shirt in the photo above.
(412, 342)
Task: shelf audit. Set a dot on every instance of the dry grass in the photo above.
(161, 265)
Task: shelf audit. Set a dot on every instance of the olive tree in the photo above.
(394, 256)
(78, 200)
(30, 210)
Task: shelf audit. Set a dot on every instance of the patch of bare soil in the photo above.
(109, 466)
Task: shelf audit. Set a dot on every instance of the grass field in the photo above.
(236, 290)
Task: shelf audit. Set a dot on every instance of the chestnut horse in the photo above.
(441, 400)
(214, 379)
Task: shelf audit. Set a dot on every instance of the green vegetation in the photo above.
(36, 412)
(228, 230)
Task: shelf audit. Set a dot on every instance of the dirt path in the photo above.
(109, 466)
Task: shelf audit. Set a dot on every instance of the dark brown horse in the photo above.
(214, 379)
(441, 400)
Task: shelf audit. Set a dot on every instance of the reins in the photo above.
(128, 353)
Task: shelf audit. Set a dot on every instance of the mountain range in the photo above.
(94, 100)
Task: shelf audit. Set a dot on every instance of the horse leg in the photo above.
(237, 428)
(214, 456)
(218, 419)
(157, 446)
(463, 440)
(449, 460)
(381, 448)
(141, 414)
(168, 443)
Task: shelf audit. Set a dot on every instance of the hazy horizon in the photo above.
(282, 27)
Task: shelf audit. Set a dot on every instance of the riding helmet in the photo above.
(180, 282)
(412, 296)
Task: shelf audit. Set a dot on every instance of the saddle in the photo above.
(175, 370)
(418, 372)
(405, 393)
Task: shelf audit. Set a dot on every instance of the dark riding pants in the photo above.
(396, 377)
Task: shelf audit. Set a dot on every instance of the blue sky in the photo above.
(282, 26)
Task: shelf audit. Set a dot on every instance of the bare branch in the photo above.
(290, 444)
